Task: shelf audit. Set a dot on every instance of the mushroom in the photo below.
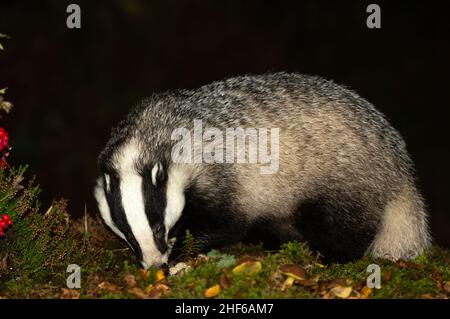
(293, 272)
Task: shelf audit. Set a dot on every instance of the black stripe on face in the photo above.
(118, 216)
(155, 205)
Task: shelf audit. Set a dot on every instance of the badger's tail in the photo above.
(403, 232)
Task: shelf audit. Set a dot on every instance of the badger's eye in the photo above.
(157, 228)
(157, 175)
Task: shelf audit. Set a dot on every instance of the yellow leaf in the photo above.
(315, 279)
(212, 291)
(3, 91)
(160, 275)
(341, 291)
(149, 288)
(365, 292)
(248, 268)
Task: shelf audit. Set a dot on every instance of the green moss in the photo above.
(405, 283)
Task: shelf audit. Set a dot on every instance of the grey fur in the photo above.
(334, 146)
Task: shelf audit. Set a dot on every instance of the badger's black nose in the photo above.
(165, 268)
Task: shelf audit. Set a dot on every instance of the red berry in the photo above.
(3, 139)
(3, 224)
(2, 234)
(9, 222)
(6, 217)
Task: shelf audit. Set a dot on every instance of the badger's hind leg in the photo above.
(271, 232)
(338, 227)
(403, 232)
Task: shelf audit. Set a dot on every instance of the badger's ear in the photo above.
(158, 174)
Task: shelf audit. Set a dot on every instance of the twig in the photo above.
(85, 219)
(48, 210)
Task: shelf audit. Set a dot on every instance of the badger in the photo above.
(344, 183)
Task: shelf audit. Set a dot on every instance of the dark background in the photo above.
(70, 87)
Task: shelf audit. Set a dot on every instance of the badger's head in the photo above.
(132, 196)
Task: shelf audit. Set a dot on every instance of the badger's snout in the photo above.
(158, 261)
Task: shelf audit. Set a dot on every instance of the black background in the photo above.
(70, 87)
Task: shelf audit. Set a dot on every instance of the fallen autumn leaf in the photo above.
(365, 292)
(130, 281)
(341, 291)
(248, 268)
(69, 293)
(446, 287)
(145, 273)
(212, 291)
(160, 275)
(108, 286)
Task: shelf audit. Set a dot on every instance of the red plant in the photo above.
(3, 138)
(5, 223)
(4, 147)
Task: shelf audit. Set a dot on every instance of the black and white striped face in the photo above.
(132, 199)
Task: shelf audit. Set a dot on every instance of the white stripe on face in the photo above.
(103, 207)
(176, 184)
(133, 205)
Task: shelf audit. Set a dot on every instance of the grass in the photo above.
(35, 254)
